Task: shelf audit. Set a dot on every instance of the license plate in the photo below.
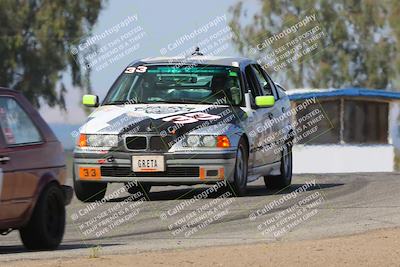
(148, 163)
(89, 173)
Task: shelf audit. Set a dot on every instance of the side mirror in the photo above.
(265, 101)
(90, 100)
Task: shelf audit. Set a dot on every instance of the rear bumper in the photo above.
(181, 168)
(68, 194)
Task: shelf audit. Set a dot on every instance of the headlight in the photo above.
(98, 140)
(193, 140)
(206, 141)
(209, 141)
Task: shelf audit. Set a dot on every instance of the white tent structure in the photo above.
(359, 131)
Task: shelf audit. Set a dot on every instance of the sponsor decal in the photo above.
(192, 118)
(162, 109)
(139, 69)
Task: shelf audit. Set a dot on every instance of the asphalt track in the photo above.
(338, 204)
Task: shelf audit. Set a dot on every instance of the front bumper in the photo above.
(181, 168)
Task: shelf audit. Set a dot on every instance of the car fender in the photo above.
(46, 179)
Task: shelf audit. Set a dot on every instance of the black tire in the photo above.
(239, 186)
(285, 178)
(141, 187)
(46, 226)
(89, 191)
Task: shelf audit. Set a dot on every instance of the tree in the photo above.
(35, 39)
(359, 49)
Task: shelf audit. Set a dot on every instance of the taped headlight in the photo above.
(100, 140)
(193, 140)
(206, 141)
(209, 141)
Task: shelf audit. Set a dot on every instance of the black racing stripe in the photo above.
(227, 115)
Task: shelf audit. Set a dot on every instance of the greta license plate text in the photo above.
(148, 163)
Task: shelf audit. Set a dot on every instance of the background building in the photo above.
(360, 131)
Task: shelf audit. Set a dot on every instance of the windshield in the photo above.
(200, 84)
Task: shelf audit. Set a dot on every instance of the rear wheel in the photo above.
(45, 228)
(89, 191)
(239, 185)
(285, 178)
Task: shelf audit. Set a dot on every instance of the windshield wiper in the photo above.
(174, 101)
(122, 102)
(118, 102)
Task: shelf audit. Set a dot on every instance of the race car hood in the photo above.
(159, 118)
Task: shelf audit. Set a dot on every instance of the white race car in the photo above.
(164, 122)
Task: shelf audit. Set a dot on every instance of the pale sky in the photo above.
(163, 22)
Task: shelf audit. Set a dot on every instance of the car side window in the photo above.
(15, 123)
(263, 82)
(252, 81)
(271, 83)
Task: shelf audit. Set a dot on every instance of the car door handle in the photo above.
(4, 159)
(270, 116)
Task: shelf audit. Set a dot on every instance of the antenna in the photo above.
(197, 52)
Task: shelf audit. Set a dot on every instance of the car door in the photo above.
(21, 141)
(258, 132)
(282, 125)
(271, 115)
(7, 179)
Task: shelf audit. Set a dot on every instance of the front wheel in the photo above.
(239, 185)
(45, 228)
(285, 178)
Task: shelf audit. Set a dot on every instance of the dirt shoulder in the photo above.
(374, 248)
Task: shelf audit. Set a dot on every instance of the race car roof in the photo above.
(300, 94)
(207, 60)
